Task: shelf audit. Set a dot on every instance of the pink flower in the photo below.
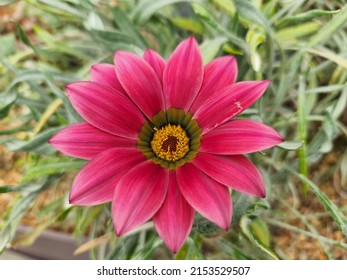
(163, 141)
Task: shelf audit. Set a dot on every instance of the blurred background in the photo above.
(301, 45)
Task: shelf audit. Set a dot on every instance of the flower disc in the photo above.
(170, 139)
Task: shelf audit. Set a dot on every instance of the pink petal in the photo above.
(140, 82)
(228, 103)
(210, 198)
(174, 220)
(106, 108)
(218, 74)
(237, 172)
(183, 75)
(105, 74)
(85, 141)
(156, 61)
(97, 180)
(139, 195)
(240, 137)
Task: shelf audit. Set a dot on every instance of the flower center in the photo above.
(171, 138)
(170, 143)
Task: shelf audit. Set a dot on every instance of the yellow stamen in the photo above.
(170, 143)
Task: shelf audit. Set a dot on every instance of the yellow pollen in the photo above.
(170, 143)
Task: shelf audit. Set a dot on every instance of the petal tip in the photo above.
(174, 250)
(68, 87)
(74, 199)
(148, 51)
(71, 199)
(279, 138)
(54, 141)
(262, 191)
(226, 228)
(117, 56)
(266, 83)
(120, 54)
(190, 42)
(74, 86)
(191, 38)
(95, 68)
(118, 232)
(174, 247)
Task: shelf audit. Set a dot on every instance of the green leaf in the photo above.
(114, 36)
(34, 144)
(49, 78)
(50, 167)
(324, 89)
(333, 210)
(191, 249)
(146, 8)
(17, 211)
(7, 2)
(260, 229)
(7, 44)
(35, 75)
(254, 38)
(25, 38)
(245, 224)
(6, 102)
(329, 28)
(89, 214)
(241, 203)
(207, 17)
(290, 145)
(328, 54)
(204, 226)
(250, 12)
(6, 235)
(62, 216)
(24, 187)
(125, 25)
(210, 48)
(94, 22)
(330, 129)
(303, 17)
(292, 33)
(255, 209)
(62, 7)
(188, 24)
(226, 5)
(340, 104)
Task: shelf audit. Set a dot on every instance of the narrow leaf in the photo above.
(330, 28)
(245, 224)
(146, 8)
(290, 145)
(334, 211)
(303, 17)
(7, 2)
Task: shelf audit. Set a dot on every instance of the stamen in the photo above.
(170, 143)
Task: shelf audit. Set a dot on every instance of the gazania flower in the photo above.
(162, 140)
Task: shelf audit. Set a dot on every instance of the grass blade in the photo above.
(329, 29)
